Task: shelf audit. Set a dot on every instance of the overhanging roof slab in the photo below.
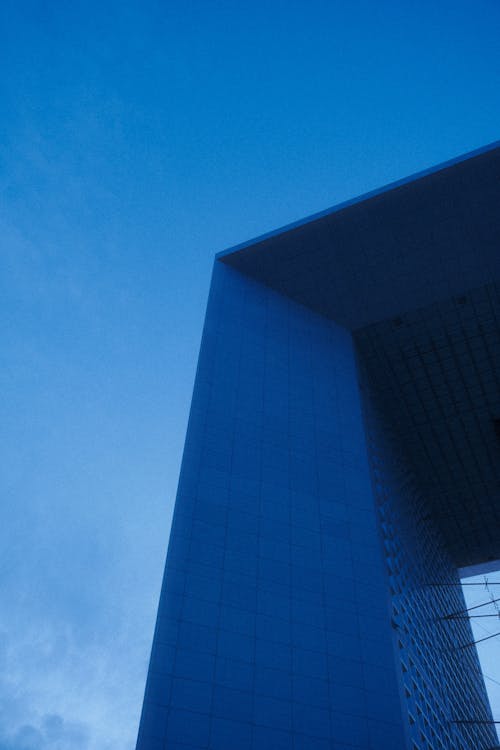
(427, 238)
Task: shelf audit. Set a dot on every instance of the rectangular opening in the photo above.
(482, 600)
(496, 425)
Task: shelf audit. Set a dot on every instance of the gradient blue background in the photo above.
(137, 139)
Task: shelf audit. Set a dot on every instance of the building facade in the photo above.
(341, 465)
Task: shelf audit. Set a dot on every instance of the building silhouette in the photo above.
(341, 466)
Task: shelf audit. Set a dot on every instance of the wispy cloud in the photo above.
(61, 692)
(53, 733)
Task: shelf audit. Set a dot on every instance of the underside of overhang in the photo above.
(426, 239)
(413, 270)
(435, 373)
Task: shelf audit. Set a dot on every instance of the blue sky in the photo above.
(137, 139)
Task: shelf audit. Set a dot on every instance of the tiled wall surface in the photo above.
(444, 697)
(274, 627)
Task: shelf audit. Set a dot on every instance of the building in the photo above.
(342, 464)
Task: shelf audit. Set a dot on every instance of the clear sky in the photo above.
(136, 140)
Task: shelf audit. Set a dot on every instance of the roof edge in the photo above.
(359, 199)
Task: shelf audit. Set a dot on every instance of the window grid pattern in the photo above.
(273, 628)
(441, 680)
(437, 371)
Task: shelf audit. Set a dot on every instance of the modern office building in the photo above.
(341, 466)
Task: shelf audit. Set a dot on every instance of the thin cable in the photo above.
(473, 643)
(469, 617)
(481, 627)
(493, 600)
(490, 678)
(469, 609)
(473, 721)
(491, 583)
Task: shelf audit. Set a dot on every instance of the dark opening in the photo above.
(496, 425)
